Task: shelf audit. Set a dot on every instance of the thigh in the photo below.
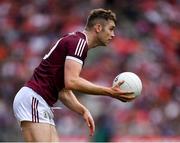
(29, 106)
(35, 116)
(39, 132)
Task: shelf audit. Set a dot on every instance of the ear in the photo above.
(98, 28)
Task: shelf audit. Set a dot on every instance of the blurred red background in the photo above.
(147, 43)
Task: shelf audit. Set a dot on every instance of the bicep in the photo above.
(72, 70)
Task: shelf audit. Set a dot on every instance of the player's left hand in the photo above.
(89, 121)
(124, 96)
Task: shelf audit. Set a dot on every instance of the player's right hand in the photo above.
(124, 96)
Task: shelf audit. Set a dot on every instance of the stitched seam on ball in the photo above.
(128, 85)
(136, 85)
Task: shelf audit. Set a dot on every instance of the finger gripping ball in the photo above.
(131, 82)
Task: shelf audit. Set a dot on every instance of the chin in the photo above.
(103, 43)
(106, 44)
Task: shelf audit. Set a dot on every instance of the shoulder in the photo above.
(75, 39)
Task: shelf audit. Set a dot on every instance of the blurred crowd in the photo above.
(147, 43)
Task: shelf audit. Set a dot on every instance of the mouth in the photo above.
(109, 40)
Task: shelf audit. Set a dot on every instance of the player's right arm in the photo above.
(73, 81)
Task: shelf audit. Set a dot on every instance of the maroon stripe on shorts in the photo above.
(35, 109)
(32, 107)
(35, 115)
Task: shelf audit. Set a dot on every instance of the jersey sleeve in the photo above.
(76, 49)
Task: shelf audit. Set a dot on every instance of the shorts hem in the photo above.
(46, 122)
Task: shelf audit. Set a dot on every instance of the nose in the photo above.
(112, 35)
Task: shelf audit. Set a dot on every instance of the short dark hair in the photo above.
(99, 14)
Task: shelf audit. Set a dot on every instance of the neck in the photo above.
(91, 39)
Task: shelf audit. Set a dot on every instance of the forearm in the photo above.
(69, 100)
(82, 85)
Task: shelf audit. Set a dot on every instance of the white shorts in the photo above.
(30, 106)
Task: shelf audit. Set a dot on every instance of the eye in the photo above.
(112, 28)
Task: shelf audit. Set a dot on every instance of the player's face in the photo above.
(107, 33)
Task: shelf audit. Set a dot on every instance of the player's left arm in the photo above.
(68, 98)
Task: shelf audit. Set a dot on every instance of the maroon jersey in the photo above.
(48, 78)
